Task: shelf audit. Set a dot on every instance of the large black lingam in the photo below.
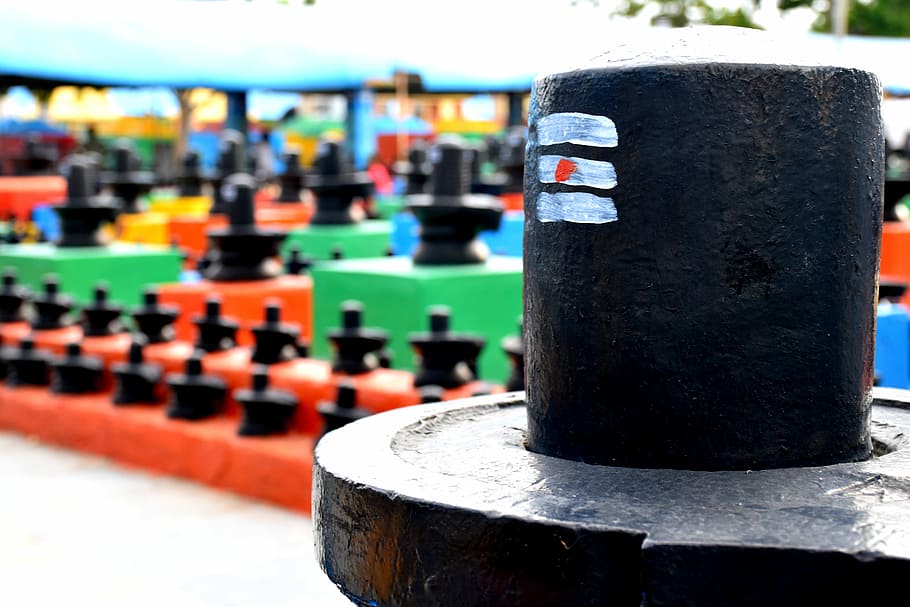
(450, 216)
(243, 250)
(696, 428)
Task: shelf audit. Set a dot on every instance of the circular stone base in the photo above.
(443, 505)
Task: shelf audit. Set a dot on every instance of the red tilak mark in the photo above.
(564, 169)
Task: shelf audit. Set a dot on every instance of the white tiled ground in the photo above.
(81, 531)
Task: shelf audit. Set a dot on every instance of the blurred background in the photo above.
(170, 76)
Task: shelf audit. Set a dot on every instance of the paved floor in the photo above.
(80, 531)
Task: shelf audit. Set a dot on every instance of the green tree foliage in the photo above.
(865, 18)
(680, 13)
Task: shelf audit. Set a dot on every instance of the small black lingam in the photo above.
(231, 160)
(357, 348)
(137, 382)
(101, 317)
(336, 185)
(243, 250)
(126, 180)
(195, 395)
(190, 179)
(12, 298)
(155, 321)
(292, 180)
(447, 358)
(84, 212)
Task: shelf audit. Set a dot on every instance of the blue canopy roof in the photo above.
(331, 46)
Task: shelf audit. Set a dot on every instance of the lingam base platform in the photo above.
(127, 268)
(355, 241)
(450, 508)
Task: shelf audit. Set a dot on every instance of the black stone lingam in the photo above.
(26, 365)
(450, 216)
(76, 373)
(514, 347)
(447, 358)
(155, 321)
(137, 382)
(417, 169)
(275, 341)
(265, 411)
(231, 160)
(52, 309)
(343, 410)
(243, 250)
(336, 184)
(297, 263)
(214, 332)
(84, 212)
(292, 180)
(126, 180)
(195, 395)
(190, 179)
(101, 317)
(357, 348)
(12, 298)
(5, 353)
(699, 425)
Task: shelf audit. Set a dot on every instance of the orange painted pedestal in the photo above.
(895, 258)
(276, 469)
(190, 233)
(244, 302)
(19, 195)
(513, 202)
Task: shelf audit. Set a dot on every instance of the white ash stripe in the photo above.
(575, 127)
(593, 173)
(575, 207)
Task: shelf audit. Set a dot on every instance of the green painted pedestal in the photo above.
(389, 204)
(126, 268)
(370, 238)
(484, 299)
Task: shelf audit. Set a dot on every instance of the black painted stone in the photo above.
(83, 212)
(356, 347)
(214, 332)
(265, 411)
(155, 321)
(275, 341)
(126, 181)
(485, 522)
(194, 395)
(450, 216)
(242, 250)
(292, 180)
(336, 184)
(76, 373)
(101, 317)
(447, 358)
(231, 159)
(726, 319)
(343, 410)
(27, 366)
(514, 347)
(137, 382)
(191, 177)
(12, 298)
(52, 310)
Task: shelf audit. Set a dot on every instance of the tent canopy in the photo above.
(332, 46)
